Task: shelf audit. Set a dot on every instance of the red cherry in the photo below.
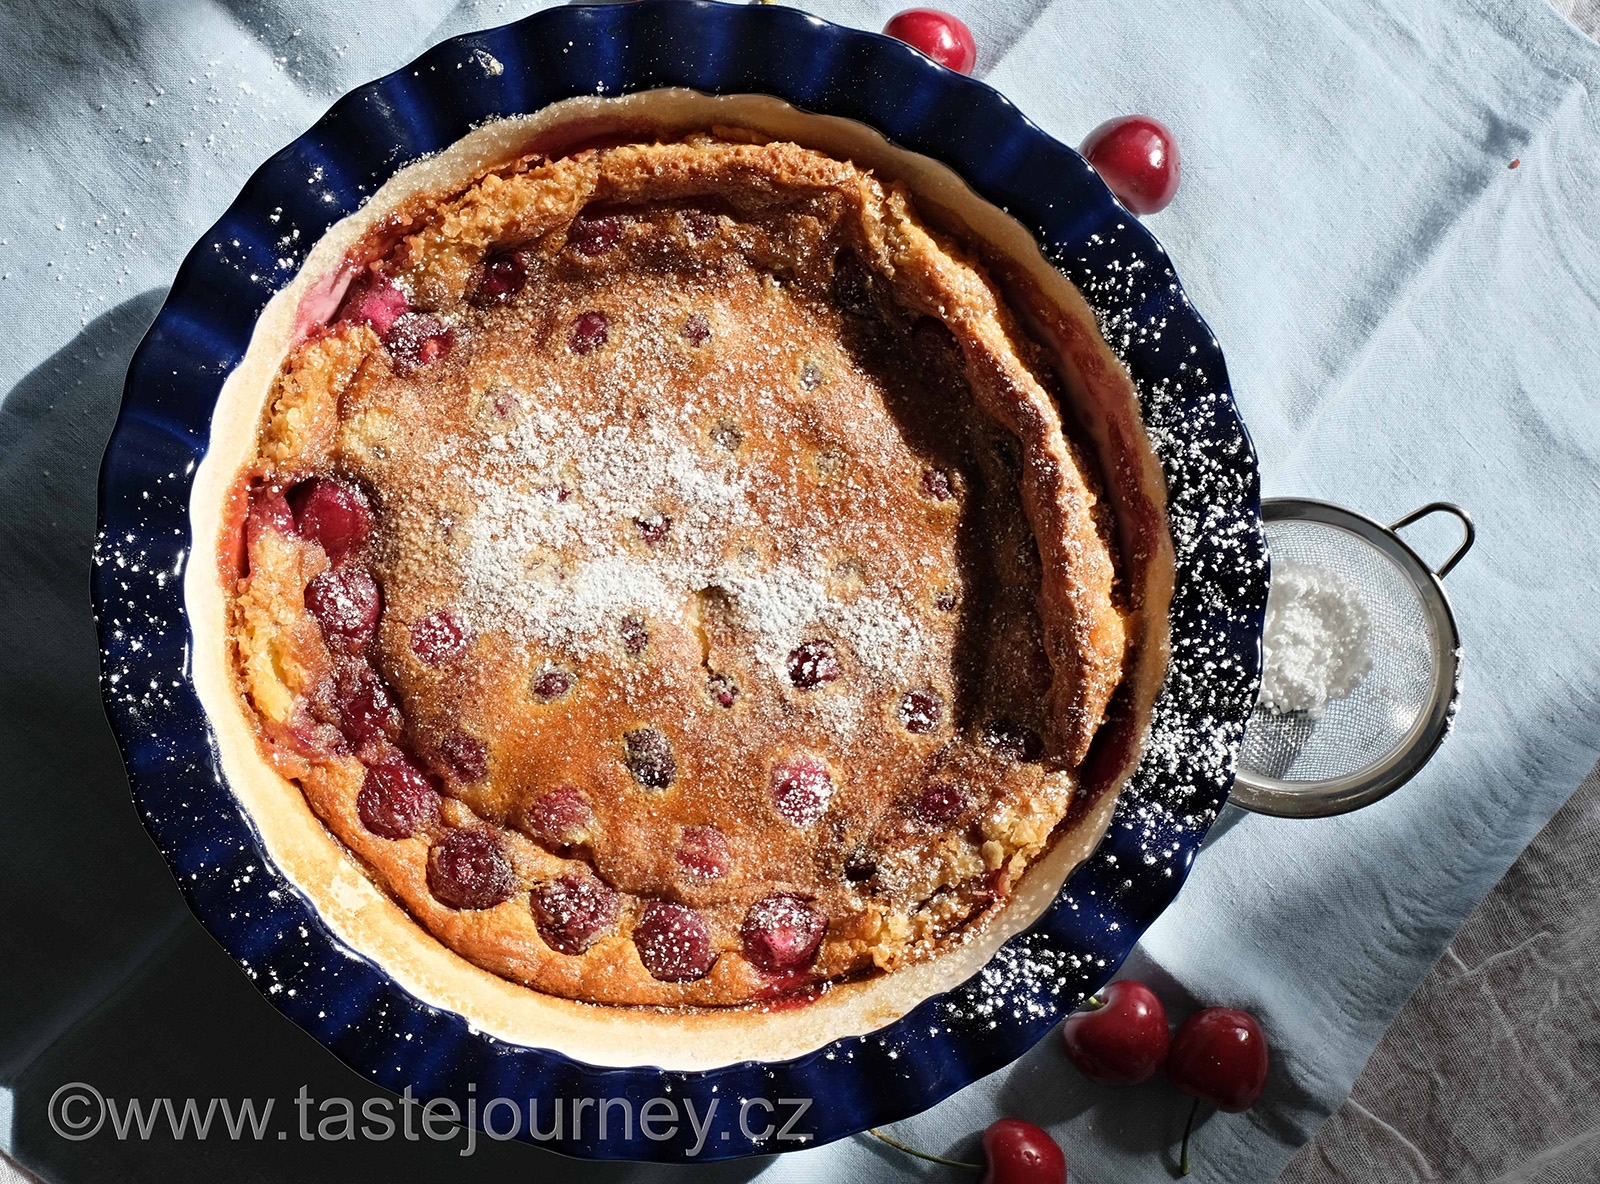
(699, 224)
(552, 684)
(941, 803)
(1123, 1040)
(635, 635)
(697, 329)
(418, 339)
(648, 755)
(503, 277)
(921, 710)
(467, 869)
(1138, 158)
(722, 689)
(590, 330)
(703, 852)
(938, 34)
(782, 933)
(332, 513)
(1020, 1153)
(1220, 1056)
(396, 798)
(311, 736)
(466, 757)
(594, 235)
(673, 942)
(438, 637)
(346, 601)
(573, 911)
(653, 528)
(561, 817)
(812, 663)
(374, 300)
(366, 711)
(801, 788)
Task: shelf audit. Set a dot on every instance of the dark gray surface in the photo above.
(1491, 1072)
(69, 936)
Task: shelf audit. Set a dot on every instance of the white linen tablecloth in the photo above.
(1406, 318)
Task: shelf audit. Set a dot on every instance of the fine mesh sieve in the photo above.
(1372, 741)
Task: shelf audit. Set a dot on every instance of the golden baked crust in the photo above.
(620, 557)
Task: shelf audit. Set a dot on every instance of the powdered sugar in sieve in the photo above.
(1361, 655)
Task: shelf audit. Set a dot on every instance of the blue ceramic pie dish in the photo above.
(350, 1004)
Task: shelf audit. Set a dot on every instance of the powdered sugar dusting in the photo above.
(559, 554)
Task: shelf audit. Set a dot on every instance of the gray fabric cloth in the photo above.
(1491, 1071)
(1583, 13)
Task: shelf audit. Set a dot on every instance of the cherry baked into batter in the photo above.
(669, 576)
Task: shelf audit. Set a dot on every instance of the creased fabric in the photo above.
(1406, 318)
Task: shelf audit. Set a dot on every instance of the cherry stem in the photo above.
(1183, 1156)
(949, 1163)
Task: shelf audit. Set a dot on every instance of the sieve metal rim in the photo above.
(1262, 794)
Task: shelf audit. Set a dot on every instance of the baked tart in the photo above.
(667, 571)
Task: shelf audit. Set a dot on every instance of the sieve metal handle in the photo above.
(1470, 532)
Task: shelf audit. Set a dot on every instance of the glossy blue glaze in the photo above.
(352, 1006)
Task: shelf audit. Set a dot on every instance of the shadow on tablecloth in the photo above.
(1491, 1071)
